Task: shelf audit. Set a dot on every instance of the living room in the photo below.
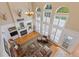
(39, 29)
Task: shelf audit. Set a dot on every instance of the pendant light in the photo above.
(29, 13)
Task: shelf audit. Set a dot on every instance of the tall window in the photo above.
(58, 24)
(38, 20)
(46, 19)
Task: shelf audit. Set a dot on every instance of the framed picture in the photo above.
(12, 29)
(29, 26)
(22, 25)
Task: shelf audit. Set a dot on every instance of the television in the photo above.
(14, 33)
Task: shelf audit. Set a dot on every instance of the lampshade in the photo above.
(29, 13)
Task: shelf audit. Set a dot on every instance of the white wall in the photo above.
(10, 16)
(2, 49)
(74, 41)
(4, 10)
(14, 6)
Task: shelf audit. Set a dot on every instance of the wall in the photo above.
(14, 6)
(0, 42)
(73, 22)
(4, 9)
(2, 49)
(75, 39)
(9, 9)
(72, 25)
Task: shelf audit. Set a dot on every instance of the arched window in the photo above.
(60, 19)
(62, 10)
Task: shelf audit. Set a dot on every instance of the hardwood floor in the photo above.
(76, 51)
(54, 49)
